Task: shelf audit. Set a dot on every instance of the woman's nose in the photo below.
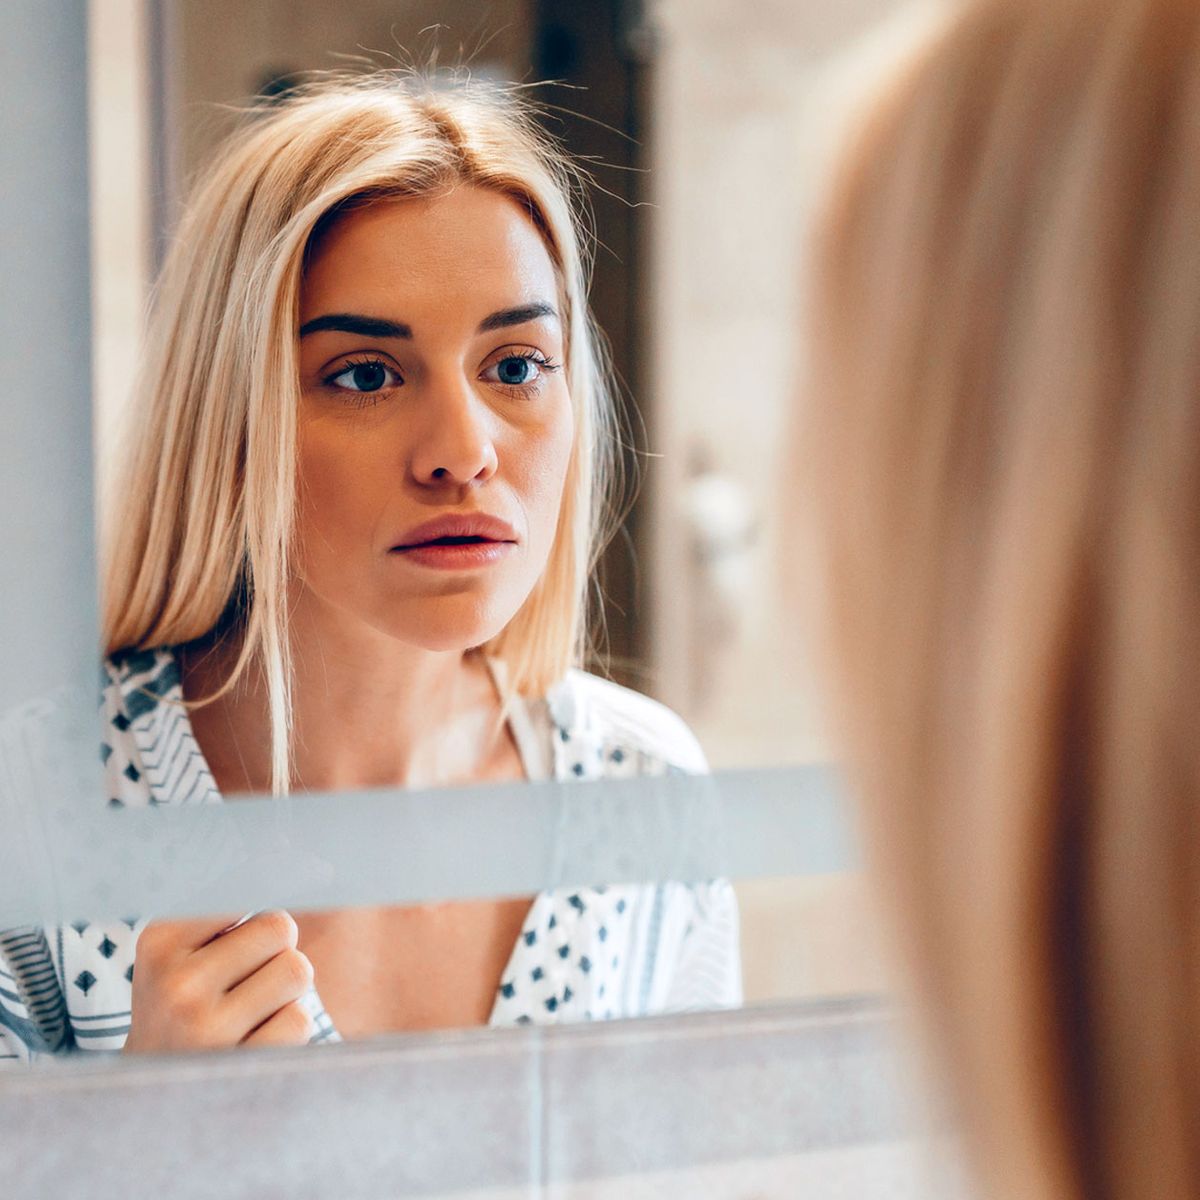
(455, 446)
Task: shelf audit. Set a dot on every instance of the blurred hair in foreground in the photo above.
(1005, 466)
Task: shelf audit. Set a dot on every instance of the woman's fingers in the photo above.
(272, 987)
(290, 1026)
(211, 982)
(161, 940)
(234, 956)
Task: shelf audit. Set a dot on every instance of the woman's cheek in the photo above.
(546, 475)
(331, 482)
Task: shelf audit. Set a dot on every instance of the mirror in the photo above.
(679, 112)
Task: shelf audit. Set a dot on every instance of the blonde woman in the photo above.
(350, 532)
(1007, 396)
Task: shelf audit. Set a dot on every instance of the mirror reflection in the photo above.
(351, 516)
(362, 466)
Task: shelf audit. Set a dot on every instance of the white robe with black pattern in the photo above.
(583, 954)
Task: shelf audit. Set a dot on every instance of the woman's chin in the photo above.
(442, 634)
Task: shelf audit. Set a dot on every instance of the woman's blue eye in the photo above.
(516, 370)
(365, 377)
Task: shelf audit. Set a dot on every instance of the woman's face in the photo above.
(435, 424)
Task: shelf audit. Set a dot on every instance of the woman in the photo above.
(350, 532)
(1007, 395)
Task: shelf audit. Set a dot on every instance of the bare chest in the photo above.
(428, 967)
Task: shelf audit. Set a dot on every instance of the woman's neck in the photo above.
(367, 711)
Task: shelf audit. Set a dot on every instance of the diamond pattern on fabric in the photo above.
(583, 953)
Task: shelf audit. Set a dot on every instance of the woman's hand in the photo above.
(196, 986)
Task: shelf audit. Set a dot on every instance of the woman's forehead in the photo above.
(471, 250)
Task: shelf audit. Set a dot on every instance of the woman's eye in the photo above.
(365, 377)
(516, 370)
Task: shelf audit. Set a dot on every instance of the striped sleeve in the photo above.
(33, 1015)
(14, 1017)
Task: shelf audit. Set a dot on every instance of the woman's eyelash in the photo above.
(536, 357)
(365, 360)
(531, 366)
(364, 396)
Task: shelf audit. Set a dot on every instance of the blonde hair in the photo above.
(1006, 442)
(200, 493)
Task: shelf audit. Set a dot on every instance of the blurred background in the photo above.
(709, 128)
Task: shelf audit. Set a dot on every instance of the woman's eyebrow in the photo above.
(517, 316)
(353, 323)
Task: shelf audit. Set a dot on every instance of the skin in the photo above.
(467, 413)
(198, 987)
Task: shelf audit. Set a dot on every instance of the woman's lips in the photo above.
(457, 541)
(451, 556)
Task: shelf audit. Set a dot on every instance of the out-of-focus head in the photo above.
(1005, 438)
(223, 493)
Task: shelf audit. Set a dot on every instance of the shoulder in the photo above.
(633, 733)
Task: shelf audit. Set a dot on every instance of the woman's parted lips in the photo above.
(478, 527)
